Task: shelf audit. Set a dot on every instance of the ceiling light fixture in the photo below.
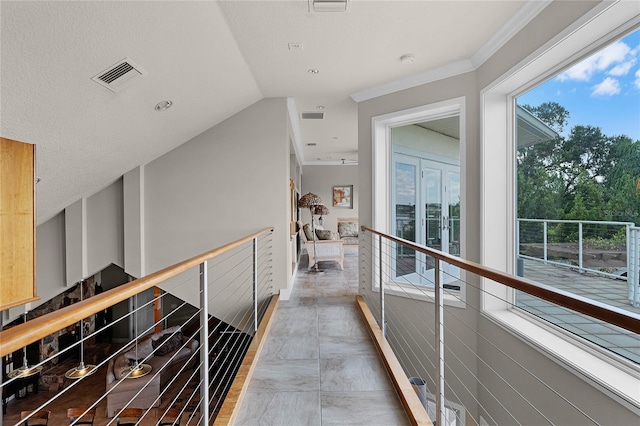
(163, 105)
(313, 71)
(407, 59)
(81, 370)
(25, 370)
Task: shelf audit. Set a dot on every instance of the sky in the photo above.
(603, 90)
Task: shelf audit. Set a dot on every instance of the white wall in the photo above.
(598, 404)
(228, 182)
(320, 180)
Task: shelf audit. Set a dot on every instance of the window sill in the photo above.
(610, 373)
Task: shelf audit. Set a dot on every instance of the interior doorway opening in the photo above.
(418, 196)
(425, 196)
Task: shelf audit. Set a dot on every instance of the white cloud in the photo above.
(608, 87)
(637, 81)
(622, 69)
(615, 54)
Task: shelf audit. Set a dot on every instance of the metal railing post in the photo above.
(204, 344)
(636, 256)
(633, 265)
(544, 226)
(580, 247)
(255, 284)
(517, 238)
(382, 327)
(440, 420)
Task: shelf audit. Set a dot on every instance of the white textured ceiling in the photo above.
(212, 59)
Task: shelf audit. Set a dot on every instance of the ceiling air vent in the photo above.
(312, 115)
(328, 5)
(119, 75)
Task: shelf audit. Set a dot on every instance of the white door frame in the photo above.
(382, 160)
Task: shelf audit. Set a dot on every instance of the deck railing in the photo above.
(442, 345)
(232, 285)
(605, 248)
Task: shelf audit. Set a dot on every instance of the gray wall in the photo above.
(552, 20)
(105, 228)
(228, 182)
(225, 183)
(319, 180)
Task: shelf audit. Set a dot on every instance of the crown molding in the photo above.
(430, 76)
(519, 20)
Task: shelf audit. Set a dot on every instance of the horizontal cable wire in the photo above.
(450, 312)
(408, 320)
(265, 288)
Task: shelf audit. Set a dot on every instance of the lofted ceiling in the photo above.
(212, 59)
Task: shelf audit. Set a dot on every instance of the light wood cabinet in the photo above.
(17, 224)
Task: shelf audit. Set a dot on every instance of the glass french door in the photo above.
(441, 218)
(404, 262)
(429, 191)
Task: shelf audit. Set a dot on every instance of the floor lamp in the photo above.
(310, 201)
(81, 370)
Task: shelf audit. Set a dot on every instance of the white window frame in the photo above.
(610, 373)
(381, 180)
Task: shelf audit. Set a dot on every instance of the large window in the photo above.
(578, 190)
(560, 171)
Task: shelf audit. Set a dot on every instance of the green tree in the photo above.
(585, 175)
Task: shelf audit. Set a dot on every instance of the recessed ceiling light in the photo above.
(407, 59)
(313, 71)
(163, 105)
(320, 107)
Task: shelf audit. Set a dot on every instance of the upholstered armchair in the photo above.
(325, 250)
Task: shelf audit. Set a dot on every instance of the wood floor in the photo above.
(84, 393)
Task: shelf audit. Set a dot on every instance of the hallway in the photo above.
(319, 365)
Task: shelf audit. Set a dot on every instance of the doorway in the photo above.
(425, 209)
(417, 191)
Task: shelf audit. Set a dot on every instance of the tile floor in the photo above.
(319, 366)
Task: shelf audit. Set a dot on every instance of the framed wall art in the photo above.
(343, 196)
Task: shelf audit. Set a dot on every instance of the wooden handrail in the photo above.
(412, 406)
(233, 401)
(610, 314)
(21, 335)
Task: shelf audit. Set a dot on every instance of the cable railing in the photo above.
(190, 324)
(467, 371)
(604, 248)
